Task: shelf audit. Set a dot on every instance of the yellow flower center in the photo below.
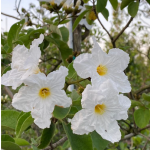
(101, 70)
(100, 109)
(44, 93)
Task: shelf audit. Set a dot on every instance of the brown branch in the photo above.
(111, 38)
(9, 92)
(61, 141)
(10, 16)
(144, 148)
(144, 136)
(115, 39)
(142, 89)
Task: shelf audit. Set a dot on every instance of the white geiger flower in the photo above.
(102, 106)
(53, 2)
(24, 63)
(101, 66)
(41, 95)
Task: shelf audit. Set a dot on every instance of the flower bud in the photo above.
(92, 16)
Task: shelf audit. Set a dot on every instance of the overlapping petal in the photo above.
(102, 107)
(101, 66)
(24, 63)
(41, 94)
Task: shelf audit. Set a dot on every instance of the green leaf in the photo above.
(85, 1)
(63, 48)
(60, 112)
(135, 103)
(101, 4)
(78, 142)
(14, 33)
(65, 33)
(27, 39)
(98, 142)
(79, 19)
(47, 136)
(5, 137)
(72, 73)
(133, 8)
(72, 112)
(23, 123)
(4, 49)
(9, 119)
(6, 145)
(114, 3)
(105, 13)
(125, 3)
(6, 69)
(146, 97)
(142, 117)
(148, 1)
(64, 21)
(21, 142)
(55, 29)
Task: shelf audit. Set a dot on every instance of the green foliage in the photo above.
(60, 112)
(6, 69)
(114, 3)
(105, 13)
(98, 142)
(47, 135)
(23, 123)
(125, 3)
(146, 97)
(101, 4)
(65, 33)
(79, 19)
(5, 137)
(133, 8)
(21, 142)
(7, 145)
(148, 1)
(142, 117)
(81, 142)
(71, 73)
(9, 119)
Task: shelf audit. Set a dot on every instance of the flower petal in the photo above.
(118, 58)
(56, 79)
(12, 78)
(108, 129)
(24, 99)
(84, 66)
(83, 122)
(125, 104)
(60, 98)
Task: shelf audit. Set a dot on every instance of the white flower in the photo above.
(101, 66)
(41, 95)
(102, 106)
(23, 17)
(24, 63)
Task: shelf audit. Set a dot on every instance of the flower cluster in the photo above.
(101, 102)
(41, 93)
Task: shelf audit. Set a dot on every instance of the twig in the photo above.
(94, 9)
(73, 82)
(9, 92)
(61, 141)
(144, 136)
(144, 148)
(17, 8)
(142, 89)
(115, 39)
(10, 16)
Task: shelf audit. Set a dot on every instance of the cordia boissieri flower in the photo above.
(41, 94)
(24, 63)
(102, 107)
(101, 66)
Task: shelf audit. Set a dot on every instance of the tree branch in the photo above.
(10, 16)
(115, 39)
(142, 89)
(59, 62)
(144, 136)
(61, 141)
